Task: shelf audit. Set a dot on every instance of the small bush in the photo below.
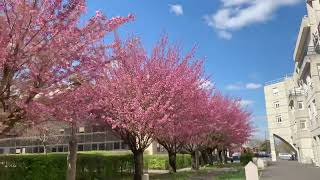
(245, 158)
(162, 161)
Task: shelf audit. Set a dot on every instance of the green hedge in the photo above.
(162, 162)
(32, 167)
(89, 166)
(53, 166)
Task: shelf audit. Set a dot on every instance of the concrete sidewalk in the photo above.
(290, 170)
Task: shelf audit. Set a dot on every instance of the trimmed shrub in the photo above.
(32, 167)
(53, 166)
(162, 161)
(245, 158)
(89, 166)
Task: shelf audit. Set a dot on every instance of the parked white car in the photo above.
(285, 156)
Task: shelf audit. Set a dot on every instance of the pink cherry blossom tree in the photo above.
(142, 92)
(42, 47)
(224, 124)
(228, 126)
(189, 110)
(40, 42)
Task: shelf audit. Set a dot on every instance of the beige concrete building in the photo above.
(293, 102)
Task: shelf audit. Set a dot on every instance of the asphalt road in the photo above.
(290, 170)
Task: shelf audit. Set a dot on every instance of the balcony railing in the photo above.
(296, 92)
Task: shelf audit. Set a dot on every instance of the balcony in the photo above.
(297, 92)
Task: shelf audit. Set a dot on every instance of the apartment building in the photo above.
(89, 137)
(293, 102)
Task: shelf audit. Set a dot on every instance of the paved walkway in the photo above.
(290, 170)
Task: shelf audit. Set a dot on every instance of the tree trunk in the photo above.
(223, 156)
(195, 160)
(205, 158)
(173, 161)
(72, 156)
(45, 149)
(210, 156)
(138, 164)
(220, 156)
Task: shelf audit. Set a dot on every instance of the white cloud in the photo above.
(245, 102)
(253, 86)
(242, 86)
(177, 9)
(236, 14)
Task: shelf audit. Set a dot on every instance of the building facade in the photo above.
(293, 102)
(90, 138)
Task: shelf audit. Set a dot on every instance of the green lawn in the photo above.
(208, 172)
(238, 175)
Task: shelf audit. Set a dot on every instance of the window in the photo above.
(109, 146)
(35, 149)
(314, 108)
(41, 149)
(303, 124)
(1, 151)
(275, 91)
(124, 145)
(291, 104)
(29, 150)
(102, 146)
(60, 148)
(279, 119)
(94, 147)
(116, 145)
(81, 129)
(65, 149)
(12, 150)
(300, 105)
(276, 105)
(53, 149)
(80, 147)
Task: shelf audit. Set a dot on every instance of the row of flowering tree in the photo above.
(53, 68)
(159, 97)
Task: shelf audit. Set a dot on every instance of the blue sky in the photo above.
(246, 42)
